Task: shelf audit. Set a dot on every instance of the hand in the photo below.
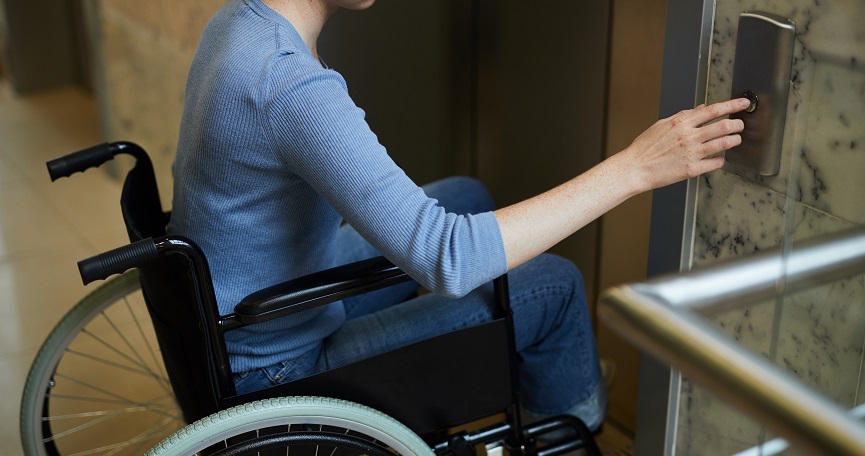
(672, 149)
(683, 145)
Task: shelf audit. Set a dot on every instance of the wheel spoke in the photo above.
(82, 427)
(103, 417)
(118, 397)
(91, 399)
(156, 360)
(122, 337)
(112, 348)
(149, 434)
(96, 388)
(143, 364)
(98, 413)
(147, 373)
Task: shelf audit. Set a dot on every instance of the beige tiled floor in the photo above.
(45, 228)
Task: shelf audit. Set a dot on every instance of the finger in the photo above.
(720, 128)
(720, 144)
(681, 116)
(706, 114)
(708, 164)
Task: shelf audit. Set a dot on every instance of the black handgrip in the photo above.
(117, 261)
(79, 161)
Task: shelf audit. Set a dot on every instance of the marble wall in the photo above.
(145, 49)
(818, 334)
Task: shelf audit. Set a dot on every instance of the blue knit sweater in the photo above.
(273, 155)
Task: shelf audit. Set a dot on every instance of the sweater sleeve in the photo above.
(323, 137)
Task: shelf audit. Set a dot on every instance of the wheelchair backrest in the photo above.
(173, 300)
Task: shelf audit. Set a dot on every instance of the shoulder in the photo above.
(294, 71)
(298, 85)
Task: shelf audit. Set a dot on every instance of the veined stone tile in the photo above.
(819, 332)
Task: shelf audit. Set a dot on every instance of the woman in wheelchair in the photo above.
(275, 158)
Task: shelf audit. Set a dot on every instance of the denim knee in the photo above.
(569, 272)
(461, 195)
(560, 271)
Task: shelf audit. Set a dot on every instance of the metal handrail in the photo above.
(662, 317)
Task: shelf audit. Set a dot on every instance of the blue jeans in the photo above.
(558, 369)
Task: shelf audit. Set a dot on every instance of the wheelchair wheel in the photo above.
(297, 426)
(98, 385)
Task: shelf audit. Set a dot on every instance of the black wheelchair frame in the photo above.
(430, 386)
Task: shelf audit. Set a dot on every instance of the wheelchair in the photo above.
(143, 355)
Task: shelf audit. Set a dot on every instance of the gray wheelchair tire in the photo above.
(288, 411)
(60, 345)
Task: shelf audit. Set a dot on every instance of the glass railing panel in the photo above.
(710, 323)
(707, 424)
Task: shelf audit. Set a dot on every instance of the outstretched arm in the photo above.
(676, 148)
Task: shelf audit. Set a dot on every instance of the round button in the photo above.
(752, 97)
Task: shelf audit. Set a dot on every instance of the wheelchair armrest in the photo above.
(317, 289)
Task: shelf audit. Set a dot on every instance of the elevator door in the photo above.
(510, 92)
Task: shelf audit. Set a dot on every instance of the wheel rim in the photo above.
(322, 443)
(304, 424)
(103, 390)
(324, 416)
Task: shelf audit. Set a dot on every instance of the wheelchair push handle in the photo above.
(80, 161)
(117, 261)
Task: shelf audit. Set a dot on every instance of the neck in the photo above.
(307, 16)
